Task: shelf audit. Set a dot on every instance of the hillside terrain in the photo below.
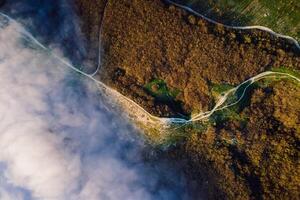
(282, 16)
(174, 63)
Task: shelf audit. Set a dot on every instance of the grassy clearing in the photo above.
(159, 89)
(179, 133)
(232, 114)
(283, 69)
(221, 88)
(282, 16)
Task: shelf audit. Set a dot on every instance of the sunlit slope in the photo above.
(282, 16)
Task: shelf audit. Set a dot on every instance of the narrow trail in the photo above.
(130, 108)
(99, 41)
(263, 28)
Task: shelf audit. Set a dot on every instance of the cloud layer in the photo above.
(59, 139)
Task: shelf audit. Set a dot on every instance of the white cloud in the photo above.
(32, 153)
(58, 140)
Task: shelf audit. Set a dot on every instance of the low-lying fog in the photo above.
(59, 139)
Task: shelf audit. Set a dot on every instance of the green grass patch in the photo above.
(283, 69)
(222, 116)
(159, 89)
(221, 88)
(282, 16)
(179, 133)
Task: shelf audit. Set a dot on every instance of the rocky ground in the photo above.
(169, 61)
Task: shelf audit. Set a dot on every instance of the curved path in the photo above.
(99, 42)
(132, 109)
(200, 15)
(237, 27)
